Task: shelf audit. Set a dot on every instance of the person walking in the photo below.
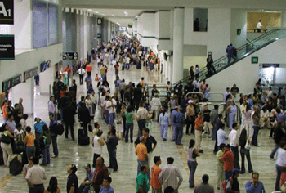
(52, 106)
(164, 122)
(192, 161)
(97, 143)
(232, 110)
(254, 186)
(46, 139)
(190, 117)
(199, 124)
(112, 148)
(81, 72)
(155, 106)
(278, 136)
(129, 123)
(221, 136)
(244, 143)
(179, 121)
(141, 116)
(142, 181)
(173, 115)
(228, 159)
(155, 172)
(142, 156)
(234, 143)
(204, 187)
(170, 175)
(35, 177)
(220, 169)
(280, 163)
(88, 69)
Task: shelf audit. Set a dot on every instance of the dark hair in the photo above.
(219, 115)
(222, 125)
(18, 125)
(73, 168)
(255, 173)
(82, 98)
(53, 185)
(45, 127)
(192, 143)
(9, 116)
(278, 110)
(282, 144)
(146, 130)
(51, 97)
(28, 129)
(108, 179)
(170, 160)
(222, 145)
(156, 159)
(142, 168)
(227, 146)
(216, 107)
(129, 109)
(96, 124)
(113, 131)
(99, 133)
(169, 189)
(205, 178)
(234, 125)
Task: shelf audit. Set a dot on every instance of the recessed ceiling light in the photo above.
(89, 10)
(96, 12)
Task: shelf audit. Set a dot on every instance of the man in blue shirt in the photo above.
(53, 128)
(179, 121)
(173, 114)
(88, 80)
(85, 185)
(38, 127)
(106, 188)
(112, 147)
(254, 186)
(230, 53)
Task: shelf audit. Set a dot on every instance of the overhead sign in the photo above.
(6, 85)
(70, 56)
(98, 35)
(16, 80)
(7, 46)
(270, 65)
(254, 59)
(30, 73)
(6, 12)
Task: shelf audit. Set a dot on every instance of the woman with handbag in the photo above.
(192, 162)
(244, 143)
(29, 142)
(6, 143)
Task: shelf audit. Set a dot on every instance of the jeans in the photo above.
(106, 116)
(227, 175)
(179, 133)
(129, 126)
(229, 58)
(111, 118)
(55, 146)
(279, 170)
(113, 160)
(274, 151)
(235, 152)
(244, 152)
(83, 189)
(192, 166)
(173, 132)
(39, 188)
(164, 130)
(141, 125)
(95, 156)
(140, 162)
(30, 151)
(81, 79)
(46, 155)
(214, 132)
(255, 134)
(190, 121)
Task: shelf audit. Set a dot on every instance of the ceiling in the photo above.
(122, 16)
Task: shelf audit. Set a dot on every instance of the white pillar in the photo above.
(169, 66)
(85, 23)
(178, 44)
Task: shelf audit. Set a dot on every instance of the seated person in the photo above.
(85, 185)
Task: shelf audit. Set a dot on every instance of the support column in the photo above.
(178, 44)
(85, 32)
(169, 66)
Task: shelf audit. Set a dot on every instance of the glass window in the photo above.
(200, 19)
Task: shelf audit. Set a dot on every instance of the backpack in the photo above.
(226, 185)
(60, 129)
(175, 119)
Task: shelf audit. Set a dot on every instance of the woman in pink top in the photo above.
(5, 111)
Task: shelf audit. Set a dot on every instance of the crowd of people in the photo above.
(131, 103)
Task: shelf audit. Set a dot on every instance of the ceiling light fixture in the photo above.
(89, 10)
(96, 12)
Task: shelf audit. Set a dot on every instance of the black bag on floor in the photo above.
(138, 65)
(15, 165)
(82, 138)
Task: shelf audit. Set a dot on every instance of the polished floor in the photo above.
(124, 180)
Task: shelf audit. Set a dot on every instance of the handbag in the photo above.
(247, 145)
(5, 139)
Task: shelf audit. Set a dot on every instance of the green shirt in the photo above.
(142, 180)
(129, 117)
(219, 155)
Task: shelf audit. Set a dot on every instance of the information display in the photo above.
(70, 56)
(6, 12)
(7, 47)
(30, 73)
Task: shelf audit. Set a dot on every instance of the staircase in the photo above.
(245, 50)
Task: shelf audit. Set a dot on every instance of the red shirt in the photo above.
(88, 68)
(228, 159)
(68, 70)
(154, 182)
(197, 122)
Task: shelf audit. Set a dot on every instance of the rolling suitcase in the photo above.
(82, 138)
(15, 165)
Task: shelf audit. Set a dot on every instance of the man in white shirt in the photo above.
(225, 94)
(94, 100)
(52, 106)
(169, 175)
(221, 136)
(259, 25)
(197, 85)
(280, 163)
(234, 143)
(35, 177)
(110, 105)
(141, 116)
(80, 73)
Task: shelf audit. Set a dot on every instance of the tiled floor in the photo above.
(124, 180)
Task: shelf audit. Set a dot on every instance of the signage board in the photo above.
(45, 65)
(99, 21)
(7, 46)
(254, 60)
(70, 56)
(16, 80)
(30, 73)
(270, 65)
(6, 12)
(98, 35)
(6, 85)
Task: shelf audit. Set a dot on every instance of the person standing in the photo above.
(199, 124)
(254, 186)
(173, 115)
(46, 136)
(142, 156)
(142, 181)
(129, 123)
(232, 110)
(53, 126)
(88, 69)
(72, 183)
(190, 115)
(204, 187)
(169, 176)
(213, 119)
(97, 143)
(280, 163)
(228, 159)
(155, 172)
(179, 121)
(141, 116)
(258, 26)
(81, 72)
(38, 127)
(164, 122)
(220, 174)
(244, 150)
(192, 161)
(29, 142)
(35, 177)
(53, 186)
(103, 72)
(255, 125)
(6, 144)
(68, 117)
(155, 106)
(192, 73)
(52, 106)
(110, 106)
(85, 185)
(68, 71)
(112, 148)
(234, 142)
